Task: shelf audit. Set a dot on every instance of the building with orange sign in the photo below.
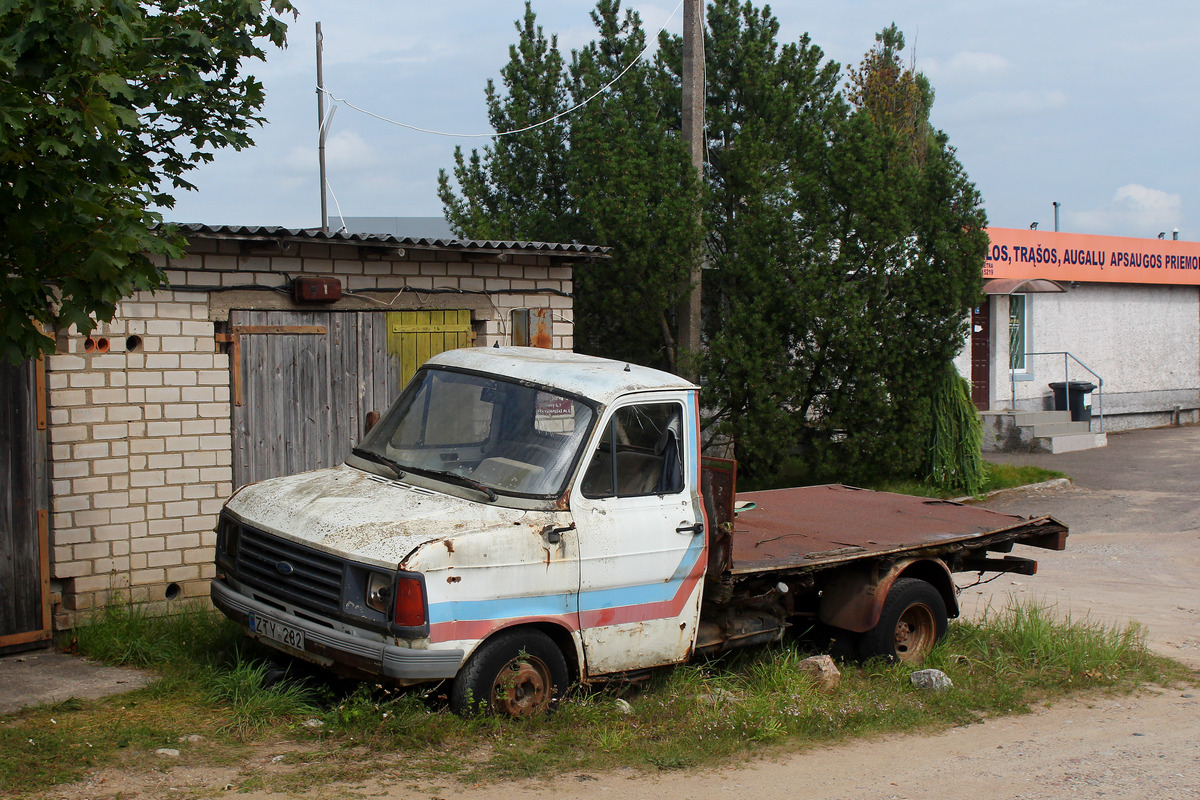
(1122, 314)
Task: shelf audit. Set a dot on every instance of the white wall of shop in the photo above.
(1143, 340)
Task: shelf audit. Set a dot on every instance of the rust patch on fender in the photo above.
(454, 579)
(449, 545)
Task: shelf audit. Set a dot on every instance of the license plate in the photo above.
(277, 631)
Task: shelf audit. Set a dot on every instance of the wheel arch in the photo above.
(853, 598)
(565, 639)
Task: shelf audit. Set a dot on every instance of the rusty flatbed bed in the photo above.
(811, 527)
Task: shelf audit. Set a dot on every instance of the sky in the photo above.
(1094, 104)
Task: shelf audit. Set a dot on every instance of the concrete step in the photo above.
(1036, 432)
(1025, 418)
(1065, 428)
(1067, 443)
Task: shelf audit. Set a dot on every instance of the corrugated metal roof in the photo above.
(316, 234)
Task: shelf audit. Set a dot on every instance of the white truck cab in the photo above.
(545, 493)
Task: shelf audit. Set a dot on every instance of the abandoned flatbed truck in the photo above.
(521, 519)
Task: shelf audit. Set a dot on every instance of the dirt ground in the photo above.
(1133, 554)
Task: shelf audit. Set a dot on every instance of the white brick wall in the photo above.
(114, 502)
(141, 444)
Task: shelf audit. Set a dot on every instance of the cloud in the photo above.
(1134, 210)
(964, 66)
(973, 64)
(345, 151)
(984, 105)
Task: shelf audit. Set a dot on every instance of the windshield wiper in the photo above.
(462, 480)
(371, 455)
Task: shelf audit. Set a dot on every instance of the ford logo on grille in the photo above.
(284, 568)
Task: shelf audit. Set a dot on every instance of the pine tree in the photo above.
(517, 188)
(612, 173)
(636, 191)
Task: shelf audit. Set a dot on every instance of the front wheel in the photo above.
(912, 621)
(518, 673)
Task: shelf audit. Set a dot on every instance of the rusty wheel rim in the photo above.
(916, 632)
(523, 688)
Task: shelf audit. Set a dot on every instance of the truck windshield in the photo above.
(510, 438)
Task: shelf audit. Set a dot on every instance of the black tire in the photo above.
(912, 622)
(518, 673)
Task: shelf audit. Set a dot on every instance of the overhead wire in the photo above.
(329, 186)
(650, 43)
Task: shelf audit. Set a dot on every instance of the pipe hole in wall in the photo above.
(89, 344)
(172, 591)
(103, 345)
(133, 344)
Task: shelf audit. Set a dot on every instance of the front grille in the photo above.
(288, 571)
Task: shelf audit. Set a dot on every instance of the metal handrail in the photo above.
(1067, 359)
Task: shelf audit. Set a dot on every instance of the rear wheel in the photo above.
(912, 621)
(515, 673)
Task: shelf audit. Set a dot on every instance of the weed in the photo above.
(254, 706)
(131, 635)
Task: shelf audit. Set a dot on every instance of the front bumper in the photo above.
(342, 651)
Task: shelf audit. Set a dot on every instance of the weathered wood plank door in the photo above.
(24, 529)
(304, 381)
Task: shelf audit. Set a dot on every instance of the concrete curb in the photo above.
(1053, 483)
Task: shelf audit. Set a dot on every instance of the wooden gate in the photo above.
(305, 381)
(24, 528)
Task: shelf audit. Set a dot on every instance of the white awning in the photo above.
(1022, 286)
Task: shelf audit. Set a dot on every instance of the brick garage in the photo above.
(147, 422)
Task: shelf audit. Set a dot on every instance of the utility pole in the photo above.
(321, 131)
(694, 94)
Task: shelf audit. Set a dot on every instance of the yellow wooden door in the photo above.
(417, 336)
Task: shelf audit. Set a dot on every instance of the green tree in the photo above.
(613, 172)
(846, 245)
(636, 191)
(917, 226)
(517, 188)
(772, 111)
(104, 108)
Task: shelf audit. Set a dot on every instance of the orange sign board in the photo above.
(1018, 253)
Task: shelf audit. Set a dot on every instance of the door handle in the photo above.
(554, 535)
(697, 528)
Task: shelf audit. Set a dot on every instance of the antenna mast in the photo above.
(322, 128)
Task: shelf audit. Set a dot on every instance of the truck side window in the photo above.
(640, 453)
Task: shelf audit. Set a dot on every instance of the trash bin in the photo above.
(1080, 395)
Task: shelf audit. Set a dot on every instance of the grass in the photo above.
(216, 704)
(1007, 476)
(996, 476)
